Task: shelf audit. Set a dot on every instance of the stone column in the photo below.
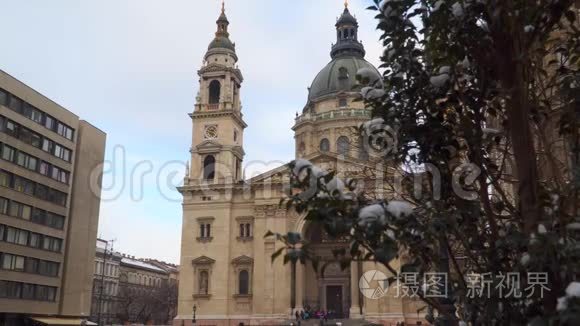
(300, 286)
(354, 311)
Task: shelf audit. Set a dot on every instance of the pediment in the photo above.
(208, 146)
(275, 175)
(243, 260)
(203, 260)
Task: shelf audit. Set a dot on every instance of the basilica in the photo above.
(227, 272)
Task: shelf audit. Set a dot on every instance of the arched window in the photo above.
(209, 167)
(214, 92)
(244, 282)
(324, 145)
(342, 145)
(203, 285)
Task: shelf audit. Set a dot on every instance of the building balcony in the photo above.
(334, 114)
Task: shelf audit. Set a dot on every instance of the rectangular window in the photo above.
(25, 135)
(46, 145)
(14, 209)
(36, 116)
(3, 97)
(26, 110)
(57, 150)
(35, 140)
(22, 237)
(10, 235)
(7, 261)
(25, 212)
(3, 206)
(54, 172)
(34, 240)
(41, 190)
(4, 179)
(31, 265)
(11, 128)
(21, 159)
(32, 163)
(19, 263)
(44, 168)
(15, 104)
(63, 176)
(60, 129)
(69, 133)
(49, 122)
(28, 291)
(8, 153)
(23, 185)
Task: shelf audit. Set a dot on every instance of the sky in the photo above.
(129, 67)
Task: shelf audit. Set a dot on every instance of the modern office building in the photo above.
(50, 183)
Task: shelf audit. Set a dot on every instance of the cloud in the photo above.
(130, 68)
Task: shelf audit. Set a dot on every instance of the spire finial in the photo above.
(223, 6)
(346, 3)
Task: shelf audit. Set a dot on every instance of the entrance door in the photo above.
(334, 300)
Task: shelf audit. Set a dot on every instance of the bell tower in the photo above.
(217, 140)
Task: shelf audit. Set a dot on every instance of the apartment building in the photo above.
(105, 284)
(50, 183)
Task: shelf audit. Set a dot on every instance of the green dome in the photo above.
(222, 42)
(339, 75)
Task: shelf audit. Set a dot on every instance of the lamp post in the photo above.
(193, 320)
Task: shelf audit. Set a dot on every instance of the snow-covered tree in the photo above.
(485, 94)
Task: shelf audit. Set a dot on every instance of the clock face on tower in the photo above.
(210, 132)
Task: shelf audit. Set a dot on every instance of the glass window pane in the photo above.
(10, 235)
(3, 97)
(7, 261)
(4, 179)
(3, 206)
(19, 263)
(22, 237)
(34, 240)
(15, 104)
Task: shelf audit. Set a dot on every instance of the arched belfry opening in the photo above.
(209, 167)
(329, 287)
(214, 92)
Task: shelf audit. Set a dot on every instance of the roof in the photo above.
(222, 42)
(339, 75)
(346, 18)
(141, 264)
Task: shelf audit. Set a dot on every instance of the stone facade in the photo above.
(226, 267)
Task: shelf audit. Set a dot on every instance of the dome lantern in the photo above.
(347, 42)
(339, 75)
(221, 44)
